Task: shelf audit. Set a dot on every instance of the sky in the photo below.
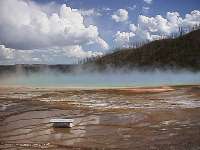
(66, 31)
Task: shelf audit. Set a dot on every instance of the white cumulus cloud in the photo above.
(6, 53)
(120, 15)
(52, 55)
(153, 28)
(132, 27)
(192, 19)
(90, 12)
(148, 1)
(122, 39)
(27, 26)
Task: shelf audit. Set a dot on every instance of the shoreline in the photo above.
(119, 90)
(100, 87)
(125, 90)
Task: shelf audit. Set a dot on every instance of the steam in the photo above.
(86, 78)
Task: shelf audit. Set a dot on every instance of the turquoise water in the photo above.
(133, 79)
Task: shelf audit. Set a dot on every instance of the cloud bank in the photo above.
(26, 25)
(51, 55)
(153, 28)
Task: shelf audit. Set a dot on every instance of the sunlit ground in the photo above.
(145, 118)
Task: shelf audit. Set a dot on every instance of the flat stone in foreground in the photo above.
(62, 123)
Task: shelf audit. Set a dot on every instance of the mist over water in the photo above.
(106, 79)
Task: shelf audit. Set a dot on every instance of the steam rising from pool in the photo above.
(106, 79)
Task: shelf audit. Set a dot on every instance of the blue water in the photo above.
(119, 79)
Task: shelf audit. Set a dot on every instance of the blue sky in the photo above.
(108, 27)
(46, 31)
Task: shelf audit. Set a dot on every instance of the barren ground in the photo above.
(129, 118)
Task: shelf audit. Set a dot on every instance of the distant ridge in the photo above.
(182, 52)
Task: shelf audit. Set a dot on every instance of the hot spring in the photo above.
(109, 79)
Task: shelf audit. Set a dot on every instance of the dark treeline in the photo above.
(180, 50)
